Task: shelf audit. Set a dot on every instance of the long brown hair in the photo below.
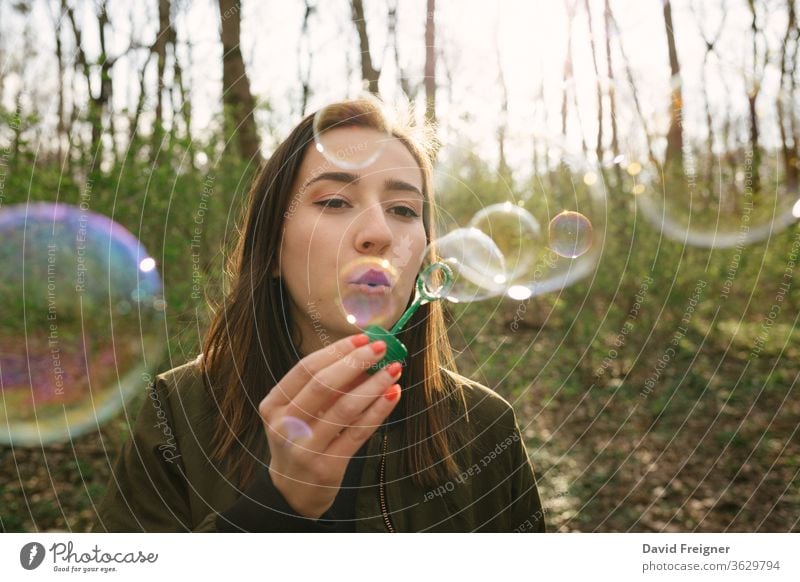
(249, 346)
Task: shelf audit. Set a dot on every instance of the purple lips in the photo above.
(373, 278)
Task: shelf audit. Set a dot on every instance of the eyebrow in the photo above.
(348, 178)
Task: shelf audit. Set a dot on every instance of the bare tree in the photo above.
(789, 145)
(569, 91)
(408, 88)
(237, 99)
(612, 93)
(133, 122)
(430, 63)
(595, 63)
(634, 90)
(96, 101)
(369, 74)
(675, 132)
(160, 48)
(181, 103)
(710, 46)
(305, 50)
(503, 168)
(570, 6)
(788, 127)
(753, 91)
(61, 129)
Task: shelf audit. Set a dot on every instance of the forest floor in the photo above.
(714, 449)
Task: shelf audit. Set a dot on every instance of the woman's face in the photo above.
(337, 217)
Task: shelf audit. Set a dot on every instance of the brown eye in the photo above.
(405, 212)
(331, 203)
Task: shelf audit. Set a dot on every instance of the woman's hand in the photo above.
(330, 393)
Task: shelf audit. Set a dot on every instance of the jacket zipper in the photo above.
(381, 487)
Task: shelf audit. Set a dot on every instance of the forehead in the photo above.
(395, 160)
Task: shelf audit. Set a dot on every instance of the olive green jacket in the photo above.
(164, 480)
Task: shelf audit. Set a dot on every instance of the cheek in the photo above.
(415, 252)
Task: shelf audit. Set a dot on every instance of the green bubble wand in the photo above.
(395, 350)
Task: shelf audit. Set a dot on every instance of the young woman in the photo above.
(277, 426)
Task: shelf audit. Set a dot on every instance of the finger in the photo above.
(350, 440)
(294, 381)
(335, 380)
(349, 407)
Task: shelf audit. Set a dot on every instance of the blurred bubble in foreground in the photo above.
(367, 292)
(82, 319)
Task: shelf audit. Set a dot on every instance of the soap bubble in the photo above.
(477, 264)
(515, 232)
(82, 311)
(340, 148)
(732, 205)
(564, 187)
(570, 234)
(719, 192)
(367, 292)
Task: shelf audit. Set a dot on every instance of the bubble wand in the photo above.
(395, 350)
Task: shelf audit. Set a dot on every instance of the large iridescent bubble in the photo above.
(82, 321)
(515, 232)
(718, 203)
(477, 265)
(724, 191)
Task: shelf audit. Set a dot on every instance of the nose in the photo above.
(372, 233)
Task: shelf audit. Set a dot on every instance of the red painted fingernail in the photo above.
(392, 393)
(379, 346)
(394, 369)
(359, 340)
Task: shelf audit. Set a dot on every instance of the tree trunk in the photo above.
(752, 97)
(789, 146)
(369, 74)
(503, 169)
(237, 99)
(634, 91)
(794, 126)
(710, 42)
(133, 125)
(105, 99)
(94, 115)
(160, 48)
(183, 106)
(612, 95)
(430, 63)
(675, 132)
(408, 88)
(593, 43)
(61, 127)
(305, 47)
(567, 68)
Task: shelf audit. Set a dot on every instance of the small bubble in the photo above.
(570, 234)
